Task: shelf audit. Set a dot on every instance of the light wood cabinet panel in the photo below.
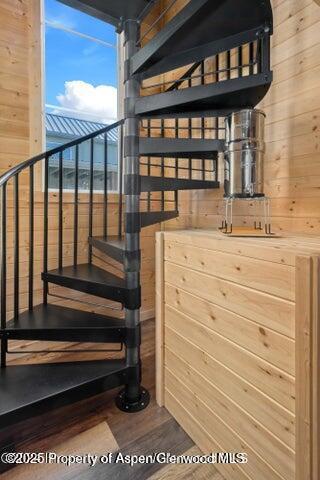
(238, 365)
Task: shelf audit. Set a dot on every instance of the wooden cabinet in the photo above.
(238, 348)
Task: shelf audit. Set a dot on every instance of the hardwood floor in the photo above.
(97, 427)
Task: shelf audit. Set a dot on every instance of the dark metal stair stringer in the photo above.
(180, 147)
(61, 324)
(166, 184)
(29, 390)
(88, 278)
(234, 94)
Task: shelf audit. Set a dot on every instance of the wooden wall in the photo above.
(15, 58)
(292, 167)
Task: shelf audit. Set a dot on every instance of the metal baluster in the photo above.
(120, 182)
(149, 165)
(91, 198)
(264, 53)
(240, 61)
(31, 234)
(16, 246)
(203, 162)
(217, 80)
(76, 207)
(162, 166)
(45, 227)
(190, 134)
(60, 232)
(176, 192)
(105, 190)
(216, 165)
(251, 58)
(228, 64)
(4, 341)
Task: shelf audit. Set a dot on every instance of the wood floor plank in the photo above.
(188, 472)
(96, 441)
(169, 437)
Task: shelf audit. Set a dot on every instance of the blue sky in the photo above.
(70, 58)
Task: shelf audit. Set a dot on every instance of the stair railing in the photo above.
(18, 204)
(203, 171)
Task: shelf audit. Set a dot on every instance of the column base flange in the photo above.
(131, 407)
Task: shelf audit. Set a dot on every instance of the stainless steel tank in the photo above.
(244, 155)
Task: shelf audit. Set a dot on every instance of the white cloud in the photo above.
(89, 102)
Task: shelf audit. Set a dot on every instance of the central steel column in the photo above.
(133, 397)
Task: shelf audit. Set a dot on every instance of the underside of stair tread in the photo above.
(152, 218)
(26, 389)
(180, 147)
(60, 323)
(197, 24)
(112, 246)
(111, 11)
(158, 184)
(232, 94)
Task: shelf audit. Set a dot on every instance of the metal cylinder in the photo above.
(244, 155)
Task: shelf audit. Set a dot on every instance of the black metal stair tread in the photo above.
(196, 25)
(158, 184)
(55, 317)
(86, 272)
(232, 94)
(28, 389)
(112, 246)
(94, 280)
(180, 147)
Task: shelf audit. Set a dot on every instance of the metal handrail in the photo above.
(14, 174)
(32, 161)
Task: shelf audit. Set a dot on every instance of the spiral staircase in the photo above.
(236, 33)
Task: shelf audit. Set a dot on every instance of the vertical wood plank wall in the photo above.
(292, 168)
(14, 86)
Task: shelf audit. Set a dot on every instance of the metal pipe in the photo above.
(162, 167)
(4, 273)
(16, 246)
(132, 390)
(76, 208)
(176, 192)
(45, 227)
(105, 188)
(149, 165)
(120, 207)
(31, 234)
(60, 232)
(90, 228)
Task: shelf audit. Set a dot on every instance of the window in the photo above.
(84, 166)
(81, 94)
